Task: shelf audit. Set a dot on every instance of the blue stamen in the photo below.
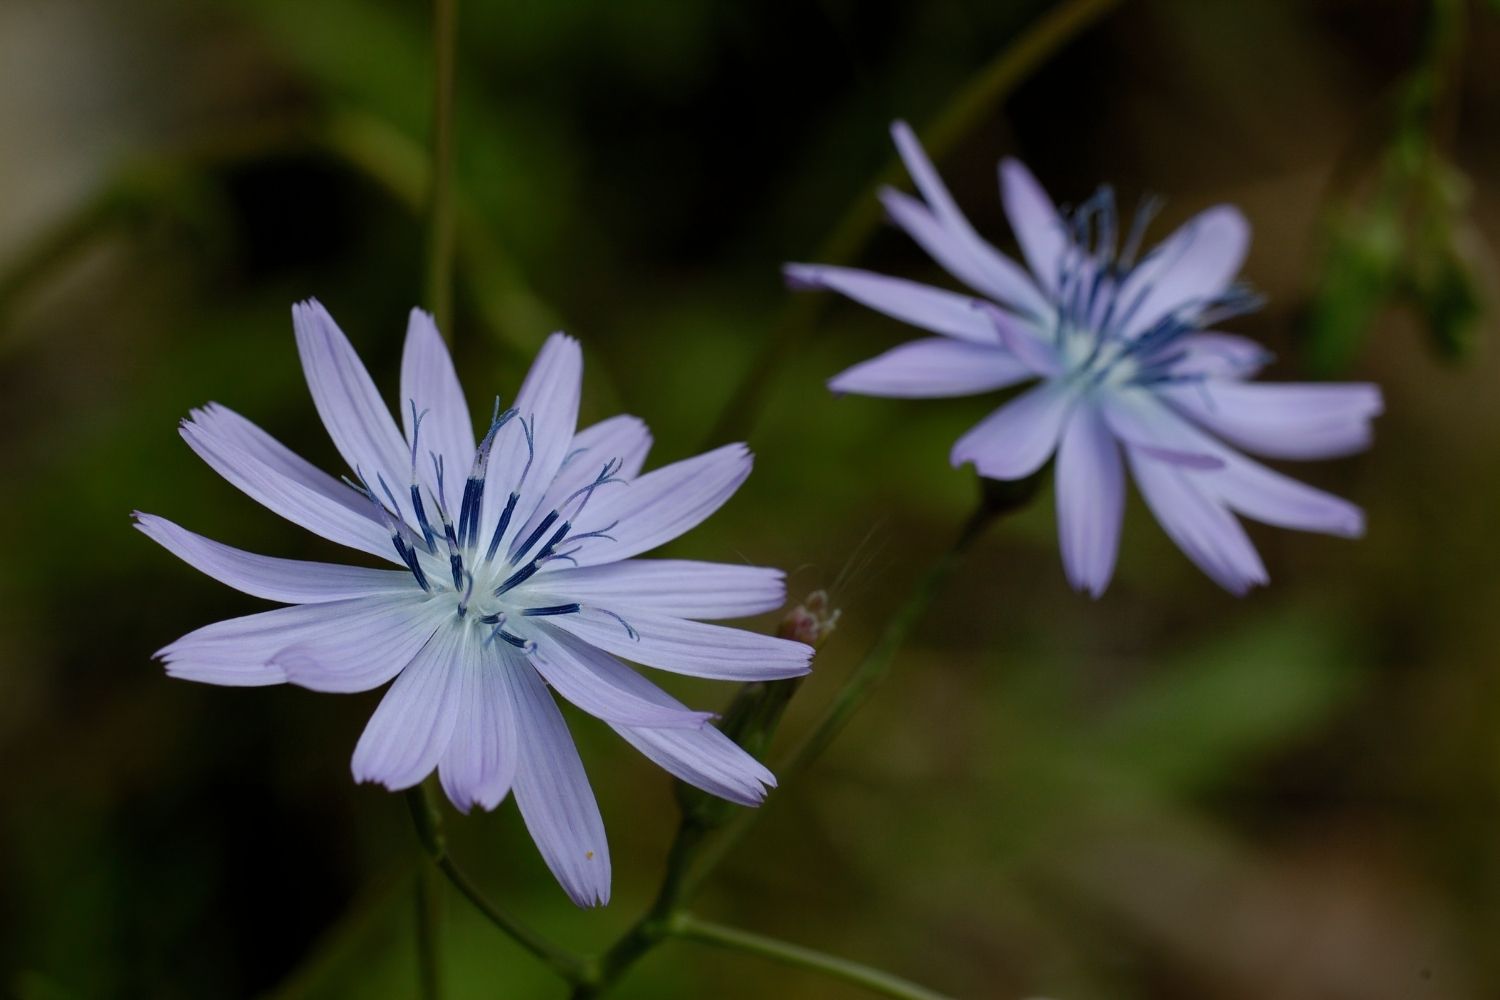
(469, 509)
(522, 644)
(416, 503)
(517, 578)
(556, 609)
(525, 547)
(504, 523)
(629, 629)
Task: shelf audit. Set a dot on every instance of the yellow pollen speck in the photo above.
(589, 855)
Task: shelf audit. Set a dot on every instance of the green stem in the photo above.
(655, 924)
(428, 822)
(998, 499)
(698, 848)
(692, 929)
(440, 200)
(988, 88)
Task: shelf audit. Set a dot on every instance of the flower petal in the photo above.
(414, 723)
(1221, 355)
(1299, 421)
(679, 588)
(364, 655)
(1257, 492)
(357, 419)
(1187, 270)
(584, 676)
(662, 504)
(1005, 282)
(932, 368)
(1244, 485)
(1206, 532)
(548, 405)
(704, 758)
(430, 385)
(687, 647)
(1021, 339)
(266, 471)
(480, 764)
(920, 305)
(1090, 501)
(623, 440)
(1034, 219)
(290, 581)
(943, 231)
(1017, 439)
(239, 651)
(552, 789)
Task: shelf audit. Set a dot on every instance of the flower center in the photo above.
(1101, 327)
(449, 559)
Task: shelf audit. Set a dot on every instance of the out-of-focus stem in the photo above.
(440, 198)
(149, 186)
(998, 499)
(986, 89)
(429, 826)
(691, 928)
(700, 845)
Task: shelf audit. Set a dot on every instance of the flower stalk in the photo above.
(705, 836)
(690, 928)
(428, 823)
(440, 199)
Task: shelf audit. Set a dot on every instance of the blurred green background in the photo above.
(1167, 793)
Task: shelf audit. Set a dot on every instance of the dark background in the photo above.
(1166, 793)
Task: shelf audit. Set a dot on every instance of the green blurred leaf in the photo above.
(1208, 714)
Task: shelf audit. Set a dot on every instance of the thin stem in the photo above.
(999, 499)
(655, 924)
(984, 91)
(691, 928)
(698, 849)
(429, 826)
(440, 201)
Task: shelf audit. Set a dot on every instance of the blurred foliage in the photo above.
(1409, 239)
(1166, 793)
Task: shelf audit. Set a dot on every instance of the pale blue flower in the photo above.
(517, 575)
(1130, 371)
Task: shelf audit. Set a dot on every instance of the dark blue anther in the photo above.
(514, 640)
(557, 536)
(409, 556)
(555, 609)
(517, 578)
(536, 534)
(473, 499)
(421, 512)
(505, 516)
